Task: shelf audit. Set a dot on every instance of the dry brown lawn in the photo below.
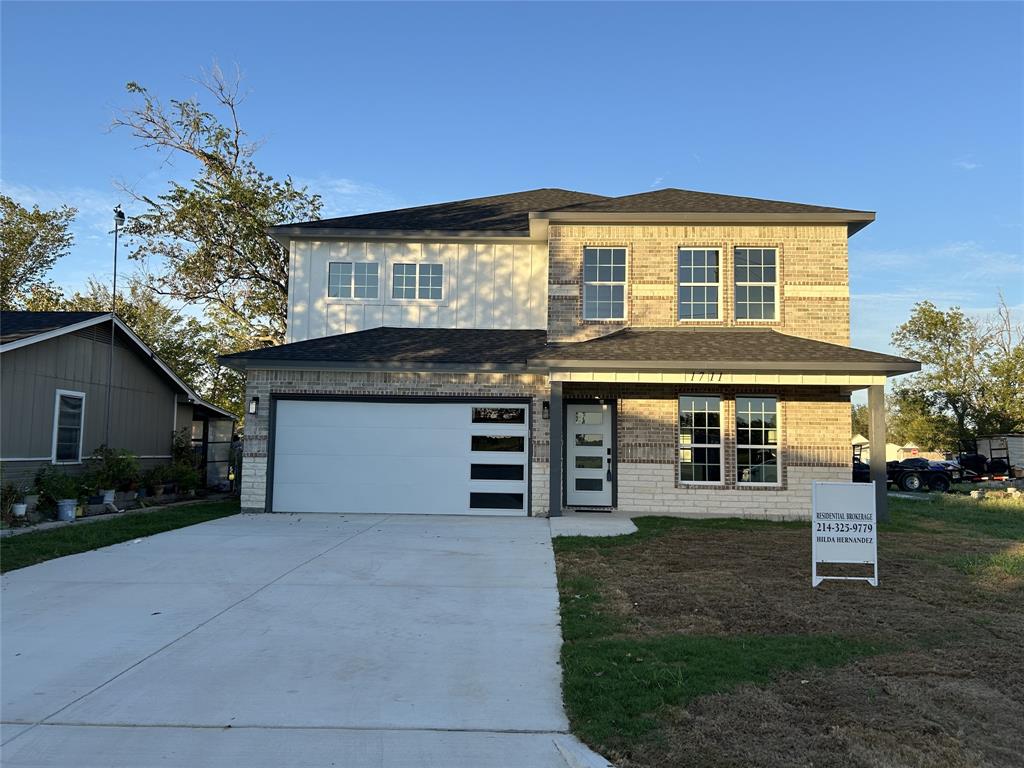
(943, 687)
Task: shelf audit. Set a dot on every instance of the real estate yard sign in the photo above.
(843, 528)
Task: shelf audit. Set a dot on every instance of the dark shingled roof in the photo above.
(671, 348)
(499, 213)
(719, 346)
(511, 213)
(20, 325)
(687, 201)
(411, 346)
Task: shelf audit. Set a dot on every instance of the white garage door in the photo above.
(401, 458)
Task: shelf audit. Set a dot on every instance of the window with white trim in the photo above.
(700, 439)
(755, 283)
(353, 280)
(417, 281)
(68, 419)
(604, 283)
(699, 283)
(757, 440)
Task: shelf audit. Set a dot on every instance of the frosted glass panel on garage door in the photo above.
(389, 458)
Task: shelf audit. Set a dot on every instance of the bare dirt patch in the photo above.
(947, 691)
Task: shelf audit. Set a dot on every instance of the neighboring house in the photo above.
(54, 371)
(670, 352)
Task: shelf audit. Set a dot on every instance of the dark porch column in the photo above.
(876, 415)
(555, 460)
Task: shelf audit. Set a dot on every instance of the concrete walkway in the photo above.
(305, 640)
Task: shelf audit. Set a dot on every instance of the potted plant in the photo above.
(154, 479)
(185, 477)
(20, 507)
(60, 489)
(113, 470)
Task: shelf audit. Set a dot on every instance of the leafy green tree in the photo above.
(861, 420)
(209, 233)
(971, 377)
(31, 242)
(911, 418)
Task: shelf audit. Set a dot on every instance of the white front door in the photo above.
(588, 452)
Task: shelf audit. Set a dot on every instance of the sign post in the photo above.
(843, 528)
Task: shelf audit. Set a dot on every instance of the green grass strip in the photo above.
(30, 548)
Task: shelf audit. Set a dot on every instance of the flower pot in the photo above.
(66, 509)
(19, 510)
(108, 496)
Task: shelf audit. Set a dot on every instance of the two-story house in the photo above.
(670, 352)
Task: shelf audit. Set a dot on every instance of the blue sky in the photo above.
(912, 110)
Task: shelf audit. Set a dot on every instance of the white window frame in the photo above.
(680, 285)
(56, 423)
(764, 284)
(352, 282)
(417, 264)
(778, 440)
(720, 445)
(596, 283)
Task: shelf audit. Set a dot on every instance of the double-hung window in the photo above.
(68, 420)
(755, 283)
(757, 440)
(604, 283)
(699, 283)
(352, 280)
(700, 439)
(417, 281)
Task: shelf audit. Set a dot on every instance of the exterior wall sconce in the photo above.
(545, 410)
(254, 405)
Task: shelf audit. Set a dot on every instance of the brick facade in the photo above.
(813, 283)
(814, 423)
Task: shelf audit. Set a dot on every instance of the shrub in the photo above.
(185, 476)
(156, 476)
(54, 485)
(111, 468)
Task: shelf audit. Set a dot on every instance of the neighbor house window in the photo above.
(698, 275)
(68, 418)
(604, 283)
(700, 439)
(417, 281)
(757, 440)
(352, 280)
(755, 283)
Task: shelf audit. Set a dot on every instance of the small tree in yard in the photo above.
(972, 376)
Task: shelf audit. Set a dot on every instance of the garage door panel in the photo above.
(396, 458)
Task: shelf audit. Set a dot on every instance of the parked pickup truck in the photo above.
(913, 474)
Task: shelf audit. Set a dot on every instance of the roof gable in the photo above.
(673, 200)
(15, 326)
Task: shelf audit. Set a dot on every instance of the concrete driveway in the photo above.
(305, 640)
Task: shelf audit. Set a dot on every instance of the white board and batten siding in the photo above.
(486, 285)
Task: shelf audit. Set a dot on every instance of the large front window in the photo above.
(755, 279)
(757, 440)
(700, 439)
(604, 283)
(698, 274)
(417, 281)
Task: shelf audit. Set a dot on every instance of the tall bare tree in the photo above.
(208, 234)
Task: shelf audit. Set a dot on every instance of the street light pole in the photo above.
(118, 223)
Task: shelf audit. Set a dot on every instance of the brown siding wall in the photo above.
(813, 281)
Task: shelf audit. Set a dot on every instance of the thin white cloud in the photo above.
(657, 182)
(966, 164)
(346, 197)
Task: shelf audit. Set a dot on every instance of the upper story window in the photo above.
(604, 283)
(699, 283)
(417, 281)
(757, 440)
(352, 280)
(68, 418)
(755, 284)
